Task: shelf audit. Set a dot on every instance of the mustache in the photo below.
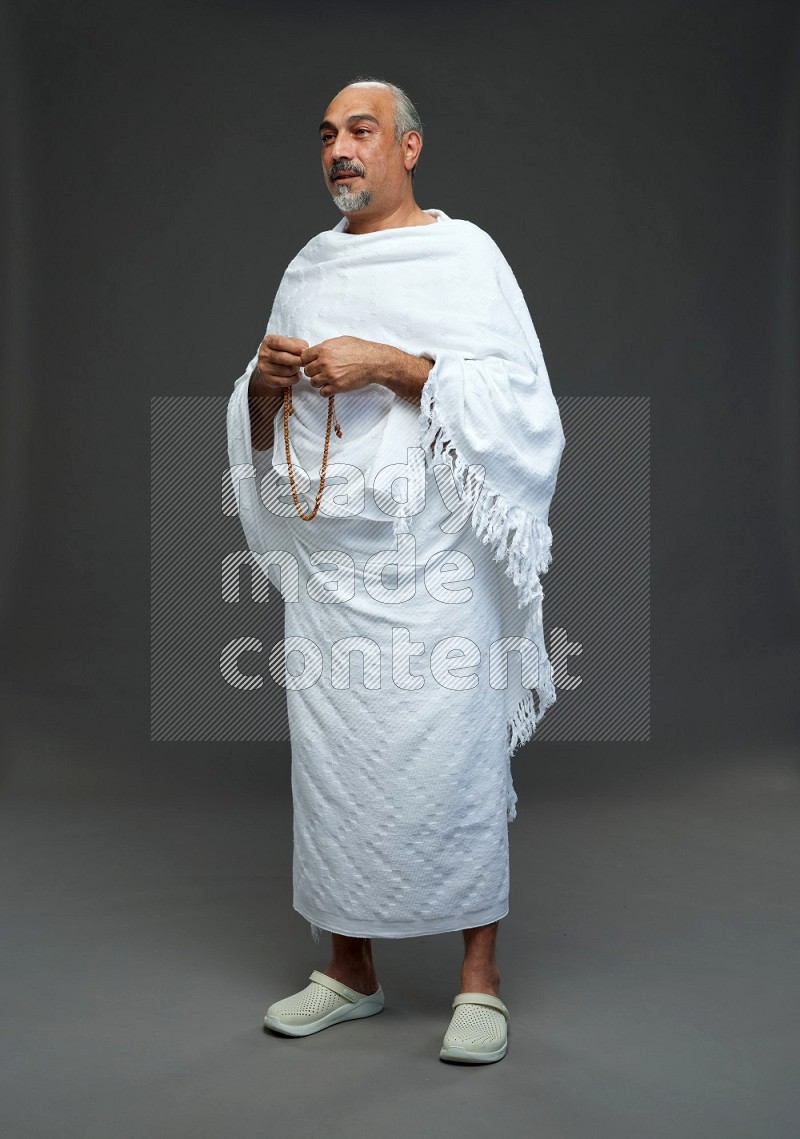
(342, 168)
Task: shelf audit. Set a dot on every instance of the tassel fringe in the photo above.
(517, 536)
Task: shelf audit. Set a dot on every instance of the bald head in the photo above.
(406, 116)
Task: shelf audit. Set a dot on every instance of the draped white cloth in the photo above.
(487, 440)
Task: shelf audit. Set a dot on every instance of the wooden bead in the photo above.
(287, 411)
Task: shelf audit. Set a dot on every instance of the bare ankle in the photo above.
(362, 980)
(482, 977)
(351, 963)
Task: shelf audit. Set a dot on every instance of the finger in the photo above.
(309, 354)
(269, 368)
(291, 344)
(280, 362)
(285, 343)
(269, 386)
(272, 380)
(285, 359)
(285, 381)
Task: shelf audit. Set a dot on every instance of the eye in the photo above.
(364, 129)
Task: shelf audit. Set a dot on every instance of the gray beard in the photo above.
(348, 200)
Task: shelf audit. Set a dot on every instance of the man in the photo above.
(411, 327)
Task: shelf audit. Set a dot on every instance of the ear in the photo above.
(412, 145)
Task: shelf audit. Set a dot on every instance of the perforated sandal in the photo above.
(324, 1002)
(478, 1030)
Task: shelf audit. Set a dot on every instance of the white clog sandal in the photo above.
(324, 1002)
(478, 1030)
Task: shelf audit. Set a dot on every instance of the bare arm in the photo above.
(347, 363)
(263, 402)
(404, 374)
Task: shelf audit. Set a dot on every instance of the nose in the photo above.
(340, 149)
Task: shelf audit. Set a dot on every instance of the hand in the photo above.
(278, 364)
(344, 363)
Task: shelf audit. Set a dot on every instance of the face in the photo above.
(358, 145)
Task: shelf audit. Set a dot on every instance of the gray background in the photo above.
(638, 164)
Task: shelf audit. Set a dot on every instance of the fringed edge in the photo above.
(522, 539)
(527, 715)
(314, 931)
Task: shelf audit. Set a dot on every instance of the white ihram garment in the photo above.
(401, 779)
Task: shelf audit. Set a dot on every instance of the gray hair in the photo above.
(406, 116)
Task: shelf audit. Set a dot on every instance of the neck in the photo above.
(409, 213)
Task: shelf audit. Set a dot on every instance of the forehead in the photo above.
(375, 101)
